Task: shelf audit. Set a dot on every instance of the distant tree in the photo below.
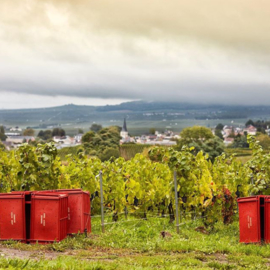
(213, 147)
(80, 131)
(58, 132)
(264, 141)
(111, 132)
(2, 147)
(28, 132)
(40, 134)
(2, 130)
(250, 122)
(45, 135)
(117, 128)
(109, 153)
(218, 133)
(99, 143)
(152, 130)
(88, 137)
(240, 141)
(2, 134)
(195, 134)
(219, 126)
(261, 130)
(96, 127)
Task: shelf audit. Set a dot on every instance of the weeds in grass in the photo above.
(139, 245)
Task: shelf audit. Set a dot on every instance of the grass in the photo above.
(239, 151)
(136, 127)
(139, 245)
(244, 159)
(68, 150)
(241, 154)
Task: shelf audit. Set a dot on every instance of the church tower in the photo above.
(124, 132)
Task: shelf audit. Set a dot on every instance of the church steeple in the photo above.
(124, 128)
(124, 132)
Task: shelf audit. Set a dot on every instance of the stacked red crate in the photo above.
(79, 218)
(254, 219)
(44, 216)
(12, 217)
(79, 210)
(49, 216)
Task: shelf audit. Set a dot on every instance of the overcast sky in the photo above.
(108, 51)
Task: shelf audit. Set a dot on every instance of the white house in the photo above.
(19, 139)
(63, 140)
(250, 130)
(78, 138)
(227, 141)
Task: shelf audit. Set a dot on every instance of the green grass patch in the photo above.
(62, 153)
(239, 151)
(138, 244)
(128, 151)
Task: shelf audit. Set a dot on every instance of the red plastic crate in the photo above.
(251, 219)
(79, 216)
(49, 215)
(12, 216)
(27, 195)
(267, 219)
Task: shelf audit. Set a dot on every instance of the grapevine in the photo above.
(144, 183)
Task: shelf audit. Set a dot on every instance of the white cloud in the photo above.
(19, 101)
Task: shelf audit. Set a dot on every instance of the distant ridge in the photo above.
(134, 111)
(145, 106)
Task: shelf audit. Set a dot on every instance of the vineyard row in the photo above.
(144, 183)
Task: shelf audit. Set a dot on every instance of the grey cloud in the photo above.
(199, 91)
(210, 51)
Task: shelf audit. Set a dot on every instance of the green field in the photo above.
(141, 116)
(138, 244)
(137, 128)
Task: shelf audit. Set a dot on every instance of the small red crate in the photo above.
(251, 219)
(12, 216)
(79, 216)
(49, 215)
(27, 195)
(267, 219)
(79, 219)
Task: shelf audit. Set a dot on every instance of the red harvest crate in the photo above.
(79, 216)
(251, 219)
(27, 195)
(79, 210)
(12, 216)
(49, 214)
(267, 219)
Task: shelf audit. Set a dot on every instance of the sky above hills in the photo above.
(105, 52)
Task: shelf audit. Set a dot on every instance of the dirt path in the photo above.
(92, 253)
(25, 254)
(111, 254)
